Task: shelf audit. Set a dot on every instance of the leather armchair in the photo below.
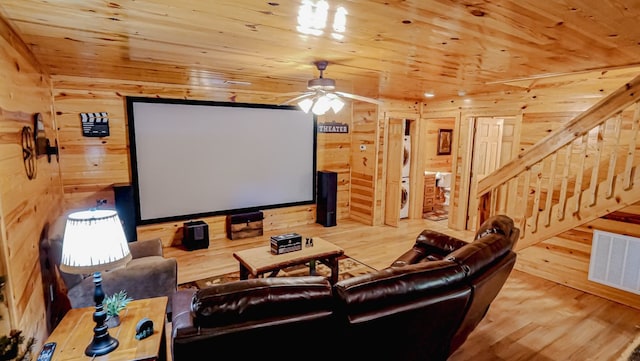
(148, 274)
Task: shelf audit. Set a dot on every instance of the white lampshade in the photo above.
(94, 241)
(336, 104)
(305, 104)
(321, 106)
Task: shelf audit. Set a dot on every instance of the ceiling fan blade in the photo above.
(293, 93)
(305, 95)
(360, 98)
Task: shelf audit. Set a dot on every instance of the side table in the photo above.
(75, 332)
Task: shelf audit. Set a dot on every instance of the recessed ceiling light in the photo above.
(237, 82)
(429, 95)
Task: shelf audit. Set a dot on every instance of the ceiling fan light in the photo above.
(337, 104)
(321, 106)
(305, 105)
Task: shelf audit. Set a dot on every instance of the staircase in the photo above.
(583, 171)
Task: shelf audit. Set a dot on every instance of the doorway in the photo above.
(435, 160)
(494, 144)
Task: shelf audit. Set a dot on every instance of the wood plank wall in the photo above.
(90, 166)
(429, 139)
(544, 106)
(26, 206)
(364, 162)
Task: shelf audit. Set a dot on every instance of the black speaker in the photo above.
(195, 235)
(326, 209)
(126, 208)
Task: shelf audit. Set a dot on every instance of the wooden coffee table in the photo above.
(256, 262)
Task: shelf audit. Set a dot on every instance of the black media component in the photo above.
(326, 210)
(47, 351)
(126, 208)
(195, 235)
(286, 243)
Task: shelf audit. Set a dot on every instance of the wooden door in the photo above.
(487, 151)
(393, 190)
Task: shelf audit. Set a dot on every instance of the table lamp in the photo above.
(94, 241)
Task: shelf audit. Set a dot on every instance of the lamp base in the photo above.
(101, 345)
(102, 342)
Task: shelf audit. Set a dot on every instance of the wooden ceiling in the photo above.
(392, 49)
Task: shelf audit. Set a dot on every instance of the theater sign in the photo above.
(333, 127)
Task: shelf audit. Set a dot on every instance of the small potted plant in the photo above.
(113, 305)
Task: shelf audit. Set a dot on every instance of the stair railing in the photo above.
(579, 172)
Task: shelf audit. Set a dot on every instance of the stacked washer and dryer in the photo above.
(406, 167)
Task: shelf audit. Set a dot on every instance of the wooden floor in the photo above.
(531, 319)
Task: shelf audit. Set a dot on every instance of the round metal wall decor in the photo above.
(29, 152)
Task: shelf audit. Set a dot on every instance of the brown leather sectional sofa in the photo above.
(421, 307)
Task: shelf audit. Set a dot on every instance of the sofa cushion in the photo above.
(439, 242)
(395, 285)
(482, 252)
(260, 299)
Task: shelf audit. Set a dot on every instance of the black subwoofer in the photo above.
(195, 235)
(326, 209)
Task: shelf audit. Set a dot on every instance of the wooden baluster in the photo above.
(525, 200)
(577, 193)
(632, 148)
(562, 201)
(536, 197)
(512, 196)
(495, 193)
(593, 185)
(502, 198)
(483, 211)
(494, 200)
(550, 187)
(614, 156)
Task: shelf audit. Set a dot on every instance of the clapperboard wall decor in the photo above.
(95, 124)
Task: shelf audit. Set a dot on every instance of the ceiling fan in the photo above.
(321, 95)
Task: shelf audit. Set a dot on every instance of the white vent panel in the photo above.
(615, 261)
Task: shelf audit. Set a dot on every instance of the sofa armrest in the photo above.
(148, 248)
(412, 256)
(430, 246)
(182, 318)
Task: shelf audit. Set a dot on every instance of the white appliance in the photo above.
(404, 201)
(406, 156)
(443, 181)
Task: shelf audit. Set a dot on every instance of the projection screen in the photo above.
(193, 158)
